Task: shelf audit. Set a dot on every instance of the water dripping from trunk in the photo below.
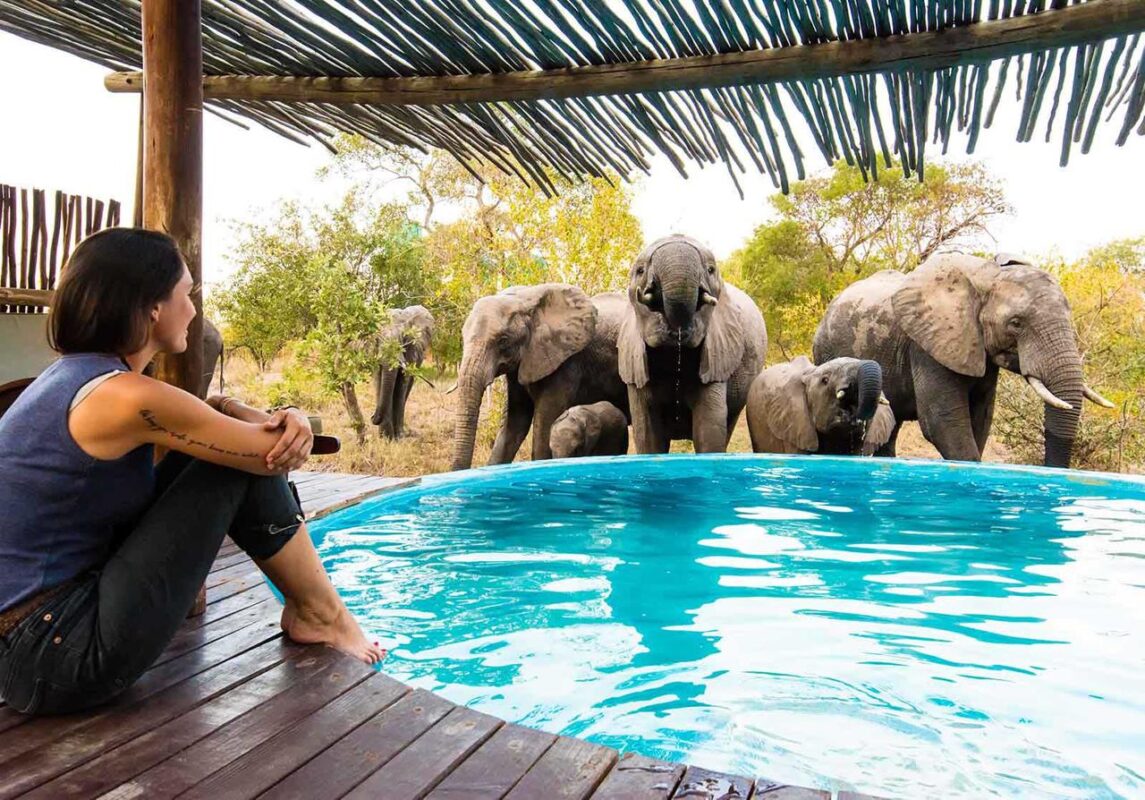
(679, 368)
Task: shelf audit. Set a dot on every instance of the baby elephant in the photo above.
(836, 408)
(600, 429)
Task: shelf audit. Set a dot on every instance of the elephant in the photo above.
(557, 349)
(690, 345)
(942, 332)
(599, 429)
(836, 408)
(212, 352)
(412, 329)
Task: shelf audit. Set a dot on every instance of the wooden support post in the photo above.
(173, 153)
(173, 161)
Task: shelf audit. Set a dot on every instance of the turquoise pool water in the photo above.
(912, 629)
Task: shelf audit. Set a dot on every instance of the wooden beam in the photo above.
(173, 154)
(979, 42)
(27, 297)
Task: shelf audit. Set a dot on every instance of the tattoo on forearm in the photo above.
(155, 425)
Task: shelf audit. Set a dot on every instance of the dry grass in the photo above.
(427, 446)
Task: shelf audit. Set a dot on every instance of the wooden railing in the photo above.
(34, 246)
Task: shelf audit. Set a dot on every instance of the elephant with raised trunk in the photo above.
(411, 328)
(557, 349)
(942, 332)
(690, 345)
(836, 408)
(598, 429)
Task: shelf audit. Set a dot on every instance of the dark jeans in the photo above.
(90, 642)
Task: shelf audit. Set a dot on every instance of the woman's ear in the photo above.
(938, 307)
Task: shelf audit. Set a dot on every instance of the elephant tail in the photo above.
(870, 388)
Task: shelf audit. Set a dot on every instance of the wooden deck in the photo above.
(232, 710)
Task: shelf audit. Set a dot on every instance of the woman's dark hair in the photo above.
(107, 289)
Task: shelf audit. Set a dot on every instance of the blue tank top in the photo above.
(59, 507)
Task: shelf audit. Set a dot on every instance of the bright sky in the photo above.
(65, 131)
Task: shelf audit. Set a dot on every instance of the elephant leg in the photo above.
(647, 427)
(943, 399)
(982, 407)
(710, 419)
(554, 400)
(402, 387)
(515, 426)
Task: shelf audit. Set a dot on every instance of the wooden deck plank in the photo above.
(248, 579)
(239, 570)
(230, 605)
(496, 766)
(570, 769)
(704, 784)
(122, 763)
(356, 756)
(856, 796)
(38, 732)
(288, 750)
(340, 495)
(637, 777)
(232, 741)
(188, 639)
(37, 766)
(771, 790)
(222, 562)
(418, 768)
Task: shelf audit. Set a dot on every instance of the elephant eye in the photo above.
(711, 270)
(640, 270)
(1015, 322)
(823, 380)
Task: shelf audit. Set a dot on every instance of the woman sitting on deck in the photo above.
(102, 552)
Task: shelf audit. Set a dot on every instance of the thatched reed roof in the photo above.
(681, 77)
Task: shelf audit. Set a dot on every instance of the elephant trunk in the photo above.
(870, 389)
(384, 410)
(1056, 362)
(473, 378)
(681, 298)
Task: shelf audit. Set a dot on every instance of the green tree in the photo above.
(325, 278)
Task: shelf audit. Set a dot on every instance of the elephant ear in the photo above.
(785, 404)
(938, 307)
(879, 429)
(563, 323)
(723, 347)
(633, 357)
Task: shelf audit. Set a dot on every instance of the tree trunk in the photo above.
(350, 401)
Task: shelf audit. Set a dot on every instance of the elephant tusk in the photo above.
(839, 395)
(709, 299)
(647, 298)
(1094, 397)
(883, 401)
(1048, 397)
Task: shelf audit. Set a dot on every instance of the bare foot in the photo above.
(340, 632)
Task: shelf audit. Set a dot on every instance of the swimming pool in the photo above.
(897, 627)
